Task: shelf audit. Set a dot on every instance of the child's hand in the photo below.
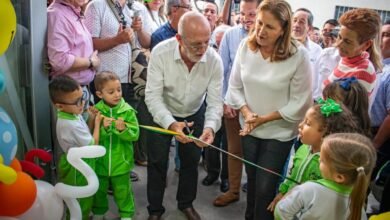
(92, 112)
(107, 122)
(272, 205)
(98, 119)
(120, 124)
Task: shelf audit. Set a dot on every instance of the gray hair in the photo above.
(221, 29)
(169, 4)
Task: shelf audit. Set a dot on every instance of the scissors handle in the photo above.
(187, 127)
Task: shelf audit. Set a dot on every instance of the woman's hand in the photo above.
(252, 121)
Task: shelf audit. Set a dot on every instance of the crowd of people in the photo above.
(310, 104)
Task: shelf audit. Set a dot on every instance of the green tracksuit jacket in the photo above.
(306, 166)
(119, 158)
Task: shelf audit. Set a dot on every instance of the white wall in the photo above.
(325, 9)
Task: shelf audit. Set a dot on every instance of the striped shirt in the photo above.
(359, 66)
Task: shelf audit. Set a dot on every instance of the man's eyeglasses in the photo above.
(188, 7)
(197, 46)
(78, 102)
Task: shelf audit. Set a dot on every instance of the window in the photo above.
(385, 15)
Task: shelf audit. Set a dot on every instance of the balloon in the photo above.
(69, 193)
(17, 198)
(8, 136)
(2, 82)
(30, 167)
(7, 174)
(15, 164)
(47, 204)
(7, 24)
(74, 157)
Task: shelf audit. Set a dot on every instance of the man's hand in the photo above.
(137, 24)
(207, 137)
(120, 124)
(124, 35)
(178, 127)
(229, 112)
(95, 60)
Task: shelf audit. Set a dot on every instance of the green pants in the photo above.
(123, 195)
(69, 175)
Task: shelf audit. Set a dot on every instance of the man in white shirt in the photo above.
(302, 25)
(183, 73)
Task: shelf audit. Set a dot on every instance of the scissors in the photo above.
(189, 131)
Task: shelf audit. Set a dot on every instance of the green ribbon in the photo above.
(329, 107)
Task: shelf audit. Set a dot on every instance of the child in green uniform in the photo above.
(72, 131)
(320, 120)
(120, 129)
(346, 164)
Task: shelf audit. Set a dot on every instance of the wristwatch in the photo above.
(90, 63)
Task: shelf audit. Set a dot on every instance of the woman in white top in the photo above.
(271, 85)
(156, 13)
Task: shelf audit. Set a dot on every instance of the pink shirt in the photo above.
(68, 38)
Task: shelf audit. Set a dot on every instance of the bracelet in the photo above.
(90, 63)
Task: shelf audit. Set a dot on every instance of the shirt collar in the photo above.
(66, 115)
(177, 56)
(386, 61)
(342, 189)
(77, 11)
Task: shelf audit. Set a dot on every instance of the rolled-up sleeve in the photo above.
(235, 96)
(154, 92)
(300, 95)
(59, 43)
(214, 109)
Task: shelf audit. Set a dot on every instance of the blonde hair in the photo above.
(285, 46)
(353, 156)
(367, 24)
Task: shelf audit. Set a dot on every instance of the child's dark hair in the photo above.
(336, 122)
(103, 77)
(354, 96)
(353, 156)
(60, 86)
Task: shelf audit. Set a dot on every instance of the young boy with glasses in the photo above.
(68, 98)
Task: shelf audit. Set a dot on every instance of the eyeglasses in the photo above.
(188, 7)
(196, 46)
(78, 102)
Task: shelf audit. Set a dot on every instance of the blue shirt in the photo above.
(162, 33)
(381, 105)
(228, 49)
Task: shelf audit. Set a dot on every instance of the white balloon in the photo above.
(47, 205)
(70, 193)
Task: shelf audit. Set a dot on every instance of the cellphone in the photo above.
(136, 13)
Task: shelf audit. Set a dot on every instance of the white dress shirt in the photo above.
(172, 91)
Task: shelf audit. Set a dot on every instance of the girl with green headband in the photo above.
(325, 118)
(346, 163)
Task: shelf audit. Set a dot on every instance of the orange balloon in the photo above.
(16, 165)
(17, 198)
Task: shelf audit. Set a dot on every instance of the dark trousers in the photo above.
(213, 156)
(158, 156)
(262, 185)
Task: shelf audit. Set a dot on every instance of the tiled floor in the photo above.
(203, 203)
